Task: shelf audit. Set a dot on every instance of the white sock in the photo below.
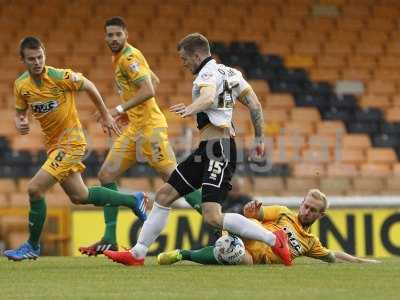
(240, 225)
(151, 229)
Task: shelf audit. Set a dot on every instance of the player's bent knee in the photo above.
(166, 195)
(34, 191)
(105, 177)
(213, 218)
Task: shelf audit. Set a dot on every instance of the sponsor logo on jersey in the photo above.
(294, 243)
(44, 107)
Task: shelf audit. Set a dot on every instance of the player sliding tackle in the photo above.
(296, 225)
(215, 89)
(50, 93)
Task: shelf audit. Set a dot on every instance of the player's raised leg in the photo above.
(37, 187)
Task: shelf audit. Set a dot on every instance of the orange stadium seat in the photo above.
(386, 74)
(362, 61)
(316, 155)
(307, 48)
(381, 87)
(275, 48)
(389, 61)
(331, 127)
(308, 170)
(385, 11)
(375, 170)
(338, 169)
(374, 36)
(324, 74)
(305, 114)
(284, 155)
(323, 141)
(354, 156)
(381, 155)
(367, 185)
(300, 185)
(312, 35)
(335, 186)
(344, 36)
(355, 10)
(299, 127)
(282, 37)
(299, 61)
(350, 23)
(356, 141)
(290, 141)
(323, 24)
(275, 115)
(392, 114)
(335, 48)
(380, 23)
(331, 61)
(393, 183)
(356, 74)
(280, 101)
(268, 185)
(377, 101)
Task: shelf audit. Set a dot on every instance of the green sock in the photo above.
(37, 216)
(101, 196)
(203, 256)
(110, 217)
(194, 199)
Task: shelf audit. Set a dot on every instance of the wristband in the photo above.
(119, 109)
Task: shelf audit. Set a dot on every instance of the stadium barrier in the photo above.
(362, 226)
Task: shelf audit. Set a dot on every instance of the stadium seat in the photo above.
(381, 155)
(334, 186)
(346, 170)
(268, 185)
(300, 186)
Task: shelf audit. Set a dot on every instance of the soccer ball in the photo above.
(229, 250)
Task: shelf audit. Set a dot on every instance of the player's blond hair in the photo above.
(318, 195)
(194, 42)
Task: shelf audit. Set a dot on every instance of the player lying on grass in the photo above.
(50, 95)
(296, 225)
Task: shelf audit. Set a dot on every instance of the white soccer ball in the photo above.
(229, 250)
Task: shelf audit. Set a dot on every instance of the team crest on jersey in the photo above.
(44, 107)
(206, 76)
(134, 66)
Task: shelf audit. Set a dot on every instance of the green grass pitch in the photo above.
(98, 278)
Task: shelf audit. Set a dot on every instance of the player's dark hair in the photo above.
(115, 21)
(194, 42)
(29, 42)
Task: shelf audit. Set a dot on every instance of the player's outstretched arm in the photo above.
(250, 100)
(202, 103)
(22, 121)
(343, 256)
(107, 121)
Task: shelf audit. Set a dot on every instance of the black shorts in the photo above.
(211, 167)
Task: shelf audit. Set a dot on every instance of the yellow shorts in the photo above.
(150, 145)
(61, 163)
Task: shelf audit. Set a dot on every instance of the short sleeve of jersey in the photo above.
(20, 102)
(135, 67)
(243, 87)
(272, 212)
(317, 250)
(206, 77)
(71, 80)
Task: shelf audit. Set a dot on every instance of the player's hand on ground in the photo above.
(22, 124)
(110, 125)
(252, 209)
(371, 261)
(180, 109)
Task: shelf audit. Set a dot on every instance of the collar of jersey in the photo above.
(203, 63)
